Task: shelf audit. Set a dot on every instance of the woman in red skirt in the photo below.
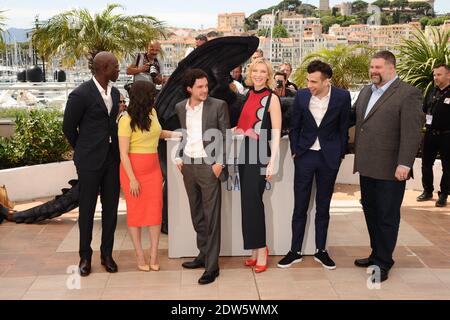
(140, 173)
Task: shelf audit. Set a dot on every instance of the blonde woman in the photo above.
(259, 122)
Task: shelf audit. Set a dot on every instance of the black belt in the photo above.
(437, 132)
(189, 160)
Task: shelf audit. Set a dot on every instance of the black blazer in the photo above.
(332, 132)
(88, 127)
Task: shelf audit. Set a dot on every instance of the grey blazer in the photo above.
(214, 116)
(390, 135)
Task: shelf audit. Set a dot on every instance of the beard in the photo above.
(376, 78)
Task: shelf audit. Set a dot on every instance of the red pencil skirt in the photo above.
(146, 209)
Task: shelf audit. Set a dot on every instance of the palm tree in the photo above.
(419, 55)
(2, 27)
(350, 65)
(76, 33)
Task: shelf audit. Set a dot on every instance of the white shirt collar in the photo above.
(325, 97)
(199, 106)
(100, 88)
(385, 86)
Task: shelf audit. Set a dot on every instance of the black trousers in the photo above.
(252, 162)
(381, 201)
(253, 184)
(307, 166)
(432, 145)
(204, 194)
(105, 181)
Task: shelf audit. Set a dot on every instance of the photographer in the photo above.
(286, 68)
(147, 66)
(280, 85)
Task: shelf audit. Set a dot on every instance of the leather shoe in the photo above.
(195, 264)
(425, 196)
(208, 277)
(363, 263)
(442, 201)
(84, 267)
(109, 264)
(384, 275)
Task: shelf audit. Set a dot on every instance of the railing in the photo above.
(48, 94)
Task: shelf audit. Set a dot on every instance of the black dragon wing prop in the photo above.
(51, 209)
(217, 58)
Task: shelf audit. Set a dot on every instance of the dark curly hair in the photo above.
(320, 66)
(142, 100)
(189, 78)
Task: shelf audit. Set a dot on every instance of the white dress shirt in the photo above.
(194, 143)
(318, 108)
(106, 95)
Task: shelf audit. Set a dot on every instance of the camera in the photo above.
(153, 70)
(279, 84)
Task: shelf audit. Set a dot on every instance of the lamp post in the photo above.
(37, 24)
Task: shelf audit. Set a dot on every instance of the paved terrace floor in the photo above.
(34, 260)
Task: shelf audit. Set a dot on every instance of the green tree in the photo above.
(76, 33)
(327, 22)
(419, 55)
(424, 21)
(334, 11)
(306, 9)
(421, 7)
(359, 6)
(279, 31)
(438, 21)
(401, 4)
(264, 32)
(2, 27)
(350, 65)
(386, 19)
(382, 3)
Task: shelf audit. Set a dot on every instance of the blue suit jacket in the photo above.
(332, 132)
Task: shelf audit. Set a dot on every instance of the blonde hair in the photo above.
(270, 82)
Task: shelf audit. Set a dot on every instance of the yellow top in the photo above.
(141, 141)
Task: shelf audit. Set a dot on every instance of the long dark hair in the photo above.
(142, 99)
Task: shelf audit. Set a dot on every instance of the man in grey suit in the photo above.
(388, 133)
(201, 158)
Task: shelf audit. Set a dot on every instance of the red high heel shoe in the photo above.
(250, 262)
(262, 268)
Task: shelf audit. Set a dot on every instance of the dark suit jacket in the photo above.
(88, 127)
(214, 116)
(332, 132)
(390, 135)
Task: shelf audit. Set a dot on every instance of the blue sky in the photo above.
(180, 13)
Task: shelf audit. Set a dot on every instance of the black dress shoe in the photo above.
(109, 264)
(208, 277)
(442, 201)
(363, 263)
(425, 196)
(195, 264)
(384, 275)
(84, 267)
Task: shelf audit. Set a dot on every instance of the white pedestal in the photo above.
(278, 201)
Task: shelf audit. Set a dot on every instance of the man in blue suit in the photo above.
(318, 138)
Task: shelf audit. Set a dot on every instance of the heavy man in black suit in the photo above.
(90, 127)
(388, 132)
